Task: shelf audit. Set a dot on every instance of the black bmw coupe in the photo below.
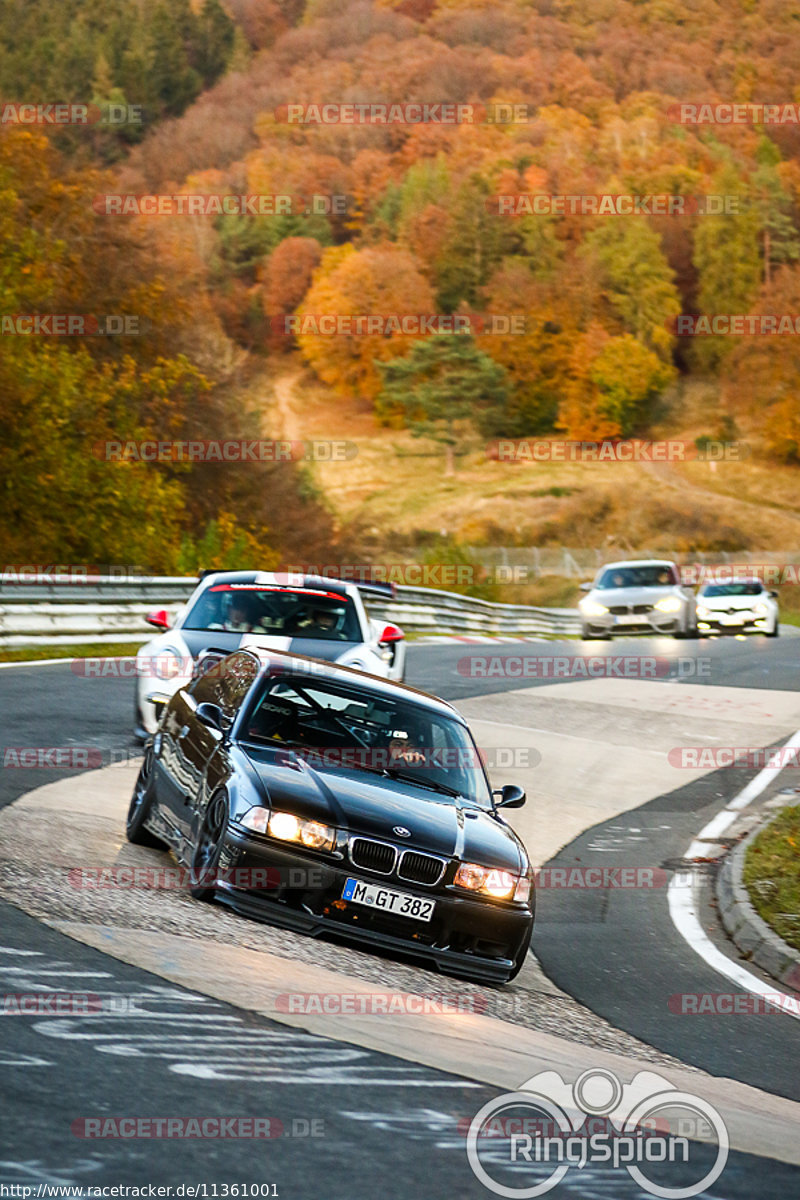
(324, 800)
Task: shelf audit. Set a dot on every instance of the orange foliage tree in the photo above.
(381, 281)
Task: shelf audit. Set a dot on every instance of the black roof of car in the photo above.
(304, 664)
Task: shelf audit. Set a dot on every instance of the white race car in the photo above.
(303, 614)
(742, 607)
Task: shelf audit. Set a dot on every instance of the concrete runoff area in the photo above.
(619, 764)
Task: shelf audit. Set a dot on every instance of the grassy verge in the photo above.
(88, 650)
(772, 875)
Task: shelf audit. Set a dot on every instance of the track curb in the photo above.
(749, 932)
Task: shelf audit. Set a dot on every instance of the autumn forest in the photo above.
(567, 98)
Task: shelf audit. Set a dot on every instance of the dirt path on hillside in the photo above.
(667, 475)
(283, 411)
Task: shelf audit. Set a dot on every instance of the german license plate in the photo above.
(388, 900)
(732, 619)
(628, 619)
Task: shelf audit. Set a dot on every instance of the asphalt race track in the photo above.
(384, 1128)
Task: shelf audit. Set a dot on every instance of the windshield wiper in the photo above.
(433, 784)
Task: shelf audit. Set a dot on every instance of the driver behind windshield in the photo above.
(316, 622)
(407, 742)
(240, 617)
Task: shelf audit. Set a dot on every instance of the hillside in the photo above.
(572, 173)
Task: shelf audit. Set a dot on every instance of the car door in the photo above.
(204, 750)
(170, 768)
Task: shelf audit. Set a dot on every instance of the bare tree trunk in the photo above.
(449, 459)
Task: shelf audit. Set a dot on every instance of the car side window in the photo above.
(227, 682)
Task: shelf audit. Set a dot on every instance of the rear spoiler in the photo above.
(386, 590)
(370, 587)
(328, 583)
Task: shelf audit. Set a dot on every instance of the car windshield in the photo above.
(276, 611)
(732, 589)
(339, 726)
(637, 577)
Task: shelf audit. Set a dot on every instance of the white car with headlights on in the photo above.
(304, 614)
(742, 607)
(637, 596)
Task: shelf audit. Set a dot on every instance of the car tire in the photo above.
(208, 848)
(774, 632)
(141, 805)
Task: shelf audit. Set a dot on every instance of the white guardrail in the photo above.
(109, 609)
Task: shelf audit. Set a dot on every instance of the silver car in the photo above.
(742, 607)
(640, 596)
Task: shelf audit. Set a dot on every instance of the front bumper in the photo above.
(653, 623)
(465, 936)
(750, 623)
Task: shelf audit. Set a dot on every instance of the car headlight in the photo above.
(592, 609)
(500, 885)
(289, 828)
(703, 612)
(168, 664)
(760, 609)
(669, 604)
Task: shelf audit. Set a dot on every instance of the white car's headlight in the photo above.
(760, 609)
(703, 612)
(289, 828)
(669, 604)
(592, 609)
(167, 664)
(500, 885)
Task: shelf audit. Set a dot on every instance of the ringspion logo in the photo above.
(549, 1128)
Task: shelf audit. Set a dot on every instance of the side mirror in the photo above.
(391, 633)
(158, 617)
(775, 595)
(586, 587)
(211, 716)
(511, 796)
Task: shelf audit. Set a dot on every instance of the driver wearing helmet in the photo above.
(240, 617)
(320, 622)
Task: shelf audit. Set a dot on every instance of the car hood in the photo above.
(723, 603)
(635, 595)
(372, 805)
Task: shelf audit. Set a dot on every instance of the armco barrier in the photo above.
(113, 610)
